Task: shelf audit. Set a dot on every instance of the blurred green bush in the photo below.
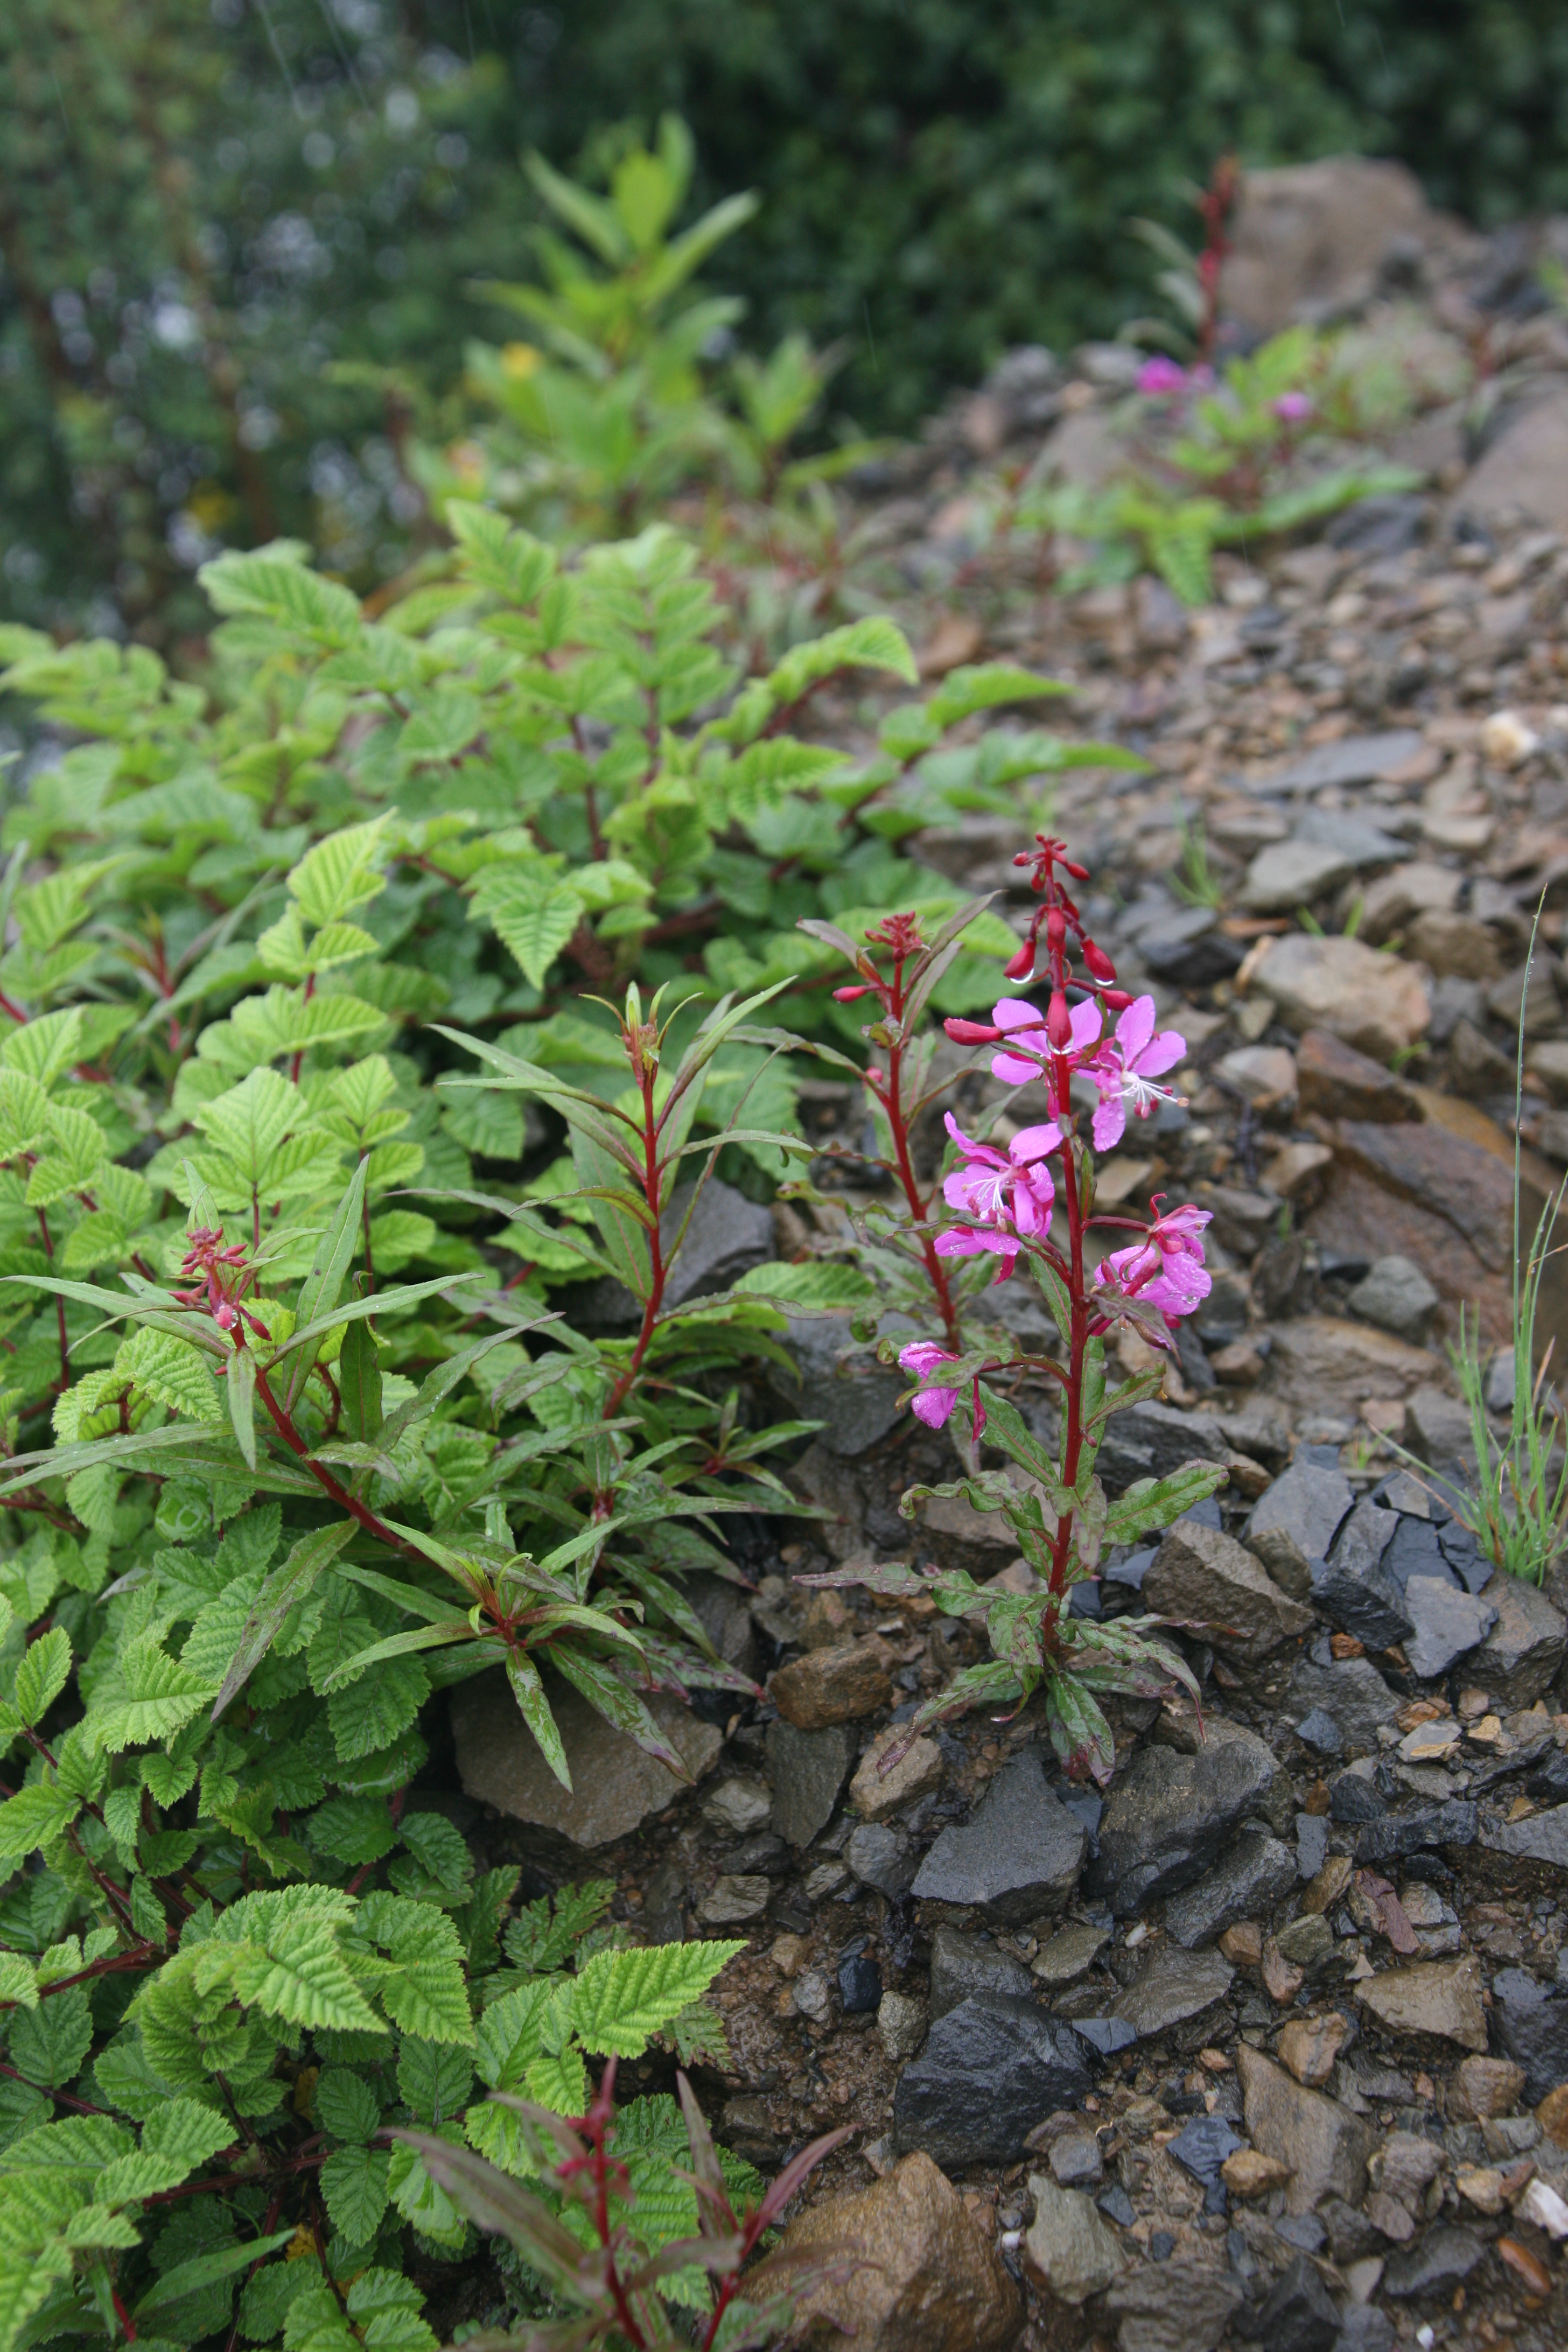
(237, 239)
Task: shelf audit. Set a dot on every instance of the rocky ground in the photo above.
(1272, 2042)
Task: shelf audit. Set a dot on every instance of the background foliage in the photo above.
(237, 239)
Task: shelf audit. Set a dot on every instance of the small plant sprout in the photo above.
(1033, 1206)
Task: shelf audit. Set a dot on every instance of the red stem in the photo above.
(657, 1271)
(324, 1478)
(892, 1103)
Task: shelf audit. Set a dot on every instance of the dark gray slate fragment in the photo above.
(1522, 1653)
(962, 1965)
(1440, 2258)
(1321, 1732)
(1353, 1589)
(1353, 1799)
(1540, 1838)
(1189, 950)
(1169, 1817)
(1429, 1825)
(1173, 1986)
(1299, 1517)
(1018, 1858)
(1447, 1622)
(1203, 2145)
(990, 2070)
(1351, 1690)
(882, 1857)
(1530, 2025)
(1466, 1558)
(1150, 1441)
(1106, 2034)
(807, 1769)
(1416, 1549)
(1311, 1844)
(1251, 1878)
(1301, 2315)
(1354, 760)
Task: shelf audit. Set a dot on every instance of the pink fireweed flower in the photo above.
(1294, 408)
(1173, 1286)
(1157, 378)
(992, 1187)
(1178, 1233)
(1024, 1026)
(934, 1406)
(1125, 1069)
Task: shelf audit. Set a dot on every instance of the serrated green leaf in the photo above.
(42, 1675)
(621, 2000)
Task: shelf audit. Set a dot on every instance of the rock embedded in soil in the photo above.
(1168, 1817)
(1201, 1576)
(902, 2022)
(1327, 1364)
(1396, 1295)
(1326, 2146)
(1258, 1873)
(1440, 1997)
(833, 1685)
(1534, 1851)
(1150, 1441)
(1068, 1954)
(875, 1794)
(1171, 1988)
(1450, 1826)
(808, 1770)
(928, 2281)
(1174, 2307)
(1523, 1655)
(1307, 2047)
(1351, 1690)
(990, 2070)
(1067, 2246)
(1482, 2087)
(963, 1964)
(1375, 1002)
(739, 1805)
(1300, 2314)
(1335, 1081)
(1530, 2025)
(1353, 1588)
(1016, 1859)
(1437, 2262)
(1290, 874)
(733, 1899)
(615, 1785)
(882, 1857)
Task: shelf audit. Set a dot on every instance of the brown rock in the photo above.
(1181, 2306)
(1454, 945)
(1337, 1082)
(1456, 1176)
(1323, 1363)
(1310, 2045)
(1436, 1996)
(1525, 471)
(931, 2282)
(1387, 2215)
(1325, 2145)
(1250, 2173)
(1282, 1980)
(1295, 1172)
(1329, 1885)
(615, 1785)
(875, 1794)
(1309, 237)
(1376, 1002)
(1199, 1575)
(834, 1686)
(1398, 899)
(1243, 1943)
(1552, 2115)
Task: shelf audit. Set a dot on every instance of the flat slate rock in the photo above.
(1351, 1690)
(962, 1965)
(1353, 1588)
(1169, 1817)
(615, 1784)
(1173, 1986)
(1354, 760)
(990, 2070)
(1249, 1882)
(1530, 2025)
(1453, 1823)
(1448, 1623)
(1017, 1858)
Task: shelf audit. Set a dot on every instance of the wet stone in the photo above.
(1326, 2146)
(1300, 2314)
(1075, 2160)
(1258, 1872)
(1311, 1844)
(615, 1784)
(1069, 2247)
(1067, 1955)
(1523, 1655)
(859, 1984)
(833, 1685)
(1203, 2145)
(990, 2070)
(1447, 1625)
(1437, 2262)
(1017, 1859)
(1172, 1986)
(882, 1857)
(1397, 1298)
(963, 1964)
(1441, 1998)
(1169, 1817)
(902, 2022)
(1349, 1690)
(1295, 1522)
(1200, 1576)
(1530, 2025)
(1173, 2307)
(1319, 1731)
(808, 1770)
(1426, 1826)
(1354, 1798)
(928, 2282)
(1353, 1589)
(1416, 1549)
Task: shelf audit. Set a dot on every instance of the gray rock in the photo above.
(901, 2022)
(1182, 2306)
(1416, 1549)
(962, 1965)
(1351, 1690)
(1437, 1428)
(1169, 1817)
(1172, 1986)
(1068, 1954)
(615, 1785)
(737, 1804)
(1364, 844)
(1450, 1824)
(727, 1235)
(1301, 2315)
(1068, 2244)
(1017, 1859)
(882, 1857)
(1447, 1624)
(1539, 1840)
(1247, 1882)
(1354, 760)
(1396, 1295)
(733, 1899)
(1440, 2260)
(1311, 1844)
(1150, 1441)
(1203, 2145)
(1295, 1522)
(1189, 948)
(1326, 2146)
(1353, 1589)
(1319, 1732)
(1523, 1655)
(1074, 2161)
(1530, 2025)
(808, 1770)
(990, 2071)
(1200, 1576)
(1290, 874)
(1354, 1798)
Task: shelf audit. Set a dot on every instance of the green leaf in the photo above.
(203, 2270)
(1150, 1503)
(323, 1284)
(239, 1386)
(290, 1584)
(621, 2000)
(276, 585)
(983, 687)
(354, 2185)
(359, 1383)
(529, 1692)
(42, 1675)
(533, 919)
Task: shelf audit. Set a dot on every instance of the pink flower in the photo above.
(1291, 407)
(934, 1406)
(990, 1188)
(1157, 378)
(1173, 1287)
(1125, 1067)
(1178, 1233)
(1026, 1024)
(973, 1241)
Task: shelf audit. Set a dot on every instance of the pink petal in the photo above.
(1135, 1027)
(935, 1406)
(957, 1135)
(1012, 1068)
(1162, 1054)
(1086, 1025)
(1109, 1122)
(1033, 1143)
(1012, 1012)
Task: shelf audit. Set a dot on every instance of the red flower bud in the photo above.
(847, 995)
(971, 1032)
(1078, 873)
(1099, 962)
(1056, 930)
(1021, 966)
(1059, 1022)
(1115, 1000)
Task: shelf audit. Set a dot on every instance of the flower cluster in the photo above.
(205, 1263)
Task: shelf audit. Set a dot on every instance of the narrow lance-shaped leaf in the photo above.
(322, 1286)
(289, 1583)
